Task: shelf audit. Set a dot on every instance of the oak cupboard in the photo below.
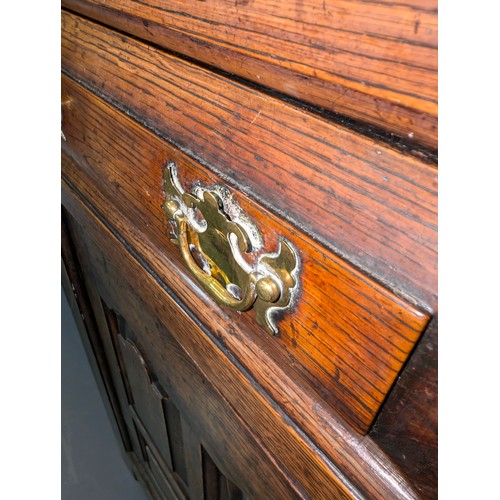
(249, 230)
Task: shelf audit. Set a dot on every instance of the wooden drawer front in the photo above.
(375, 207)
(346, 339)
(375, 61)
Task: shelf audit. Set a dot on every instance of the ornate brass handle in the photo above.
(212, 244)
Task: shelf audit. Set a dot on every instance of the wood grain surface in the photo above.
(372, 205)
(372, 60)
(229, 407)
(407, 427)
(347, 338)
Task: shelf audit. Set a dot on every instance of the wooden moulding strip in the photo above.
(375, 63)
(372, 205)
(361, 469)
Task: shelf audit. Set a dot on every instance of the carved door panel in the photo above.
(164, 442)
(163, 450)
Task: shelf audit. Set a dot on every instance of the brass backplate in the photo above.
(222, 248)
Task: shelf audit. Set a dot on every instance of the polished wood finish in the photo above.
(375, 61)
(234, 416)
(342, 403)
(370, 204)
(347, 338)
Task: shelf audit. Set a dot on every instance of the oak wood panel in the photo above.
(160, 477)
(76, 292)
(194, 463)
(370, 204)
(177, 448)
(348, 337)
(148, 451)
(147, 398)
(91, 340)
(407, 427)
(148, 418)
(105, 330)
(360, 467)
(373, 60)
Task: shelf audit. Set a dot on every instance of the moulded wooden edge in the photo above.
(308, 79)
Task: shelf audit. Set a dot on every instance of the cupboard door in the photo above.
(169, 447)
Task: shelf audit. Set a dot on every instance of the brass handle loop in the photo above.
(209, 283)
(216, 248)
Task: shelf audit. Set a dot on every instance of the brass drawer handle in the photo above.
(213, 233)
